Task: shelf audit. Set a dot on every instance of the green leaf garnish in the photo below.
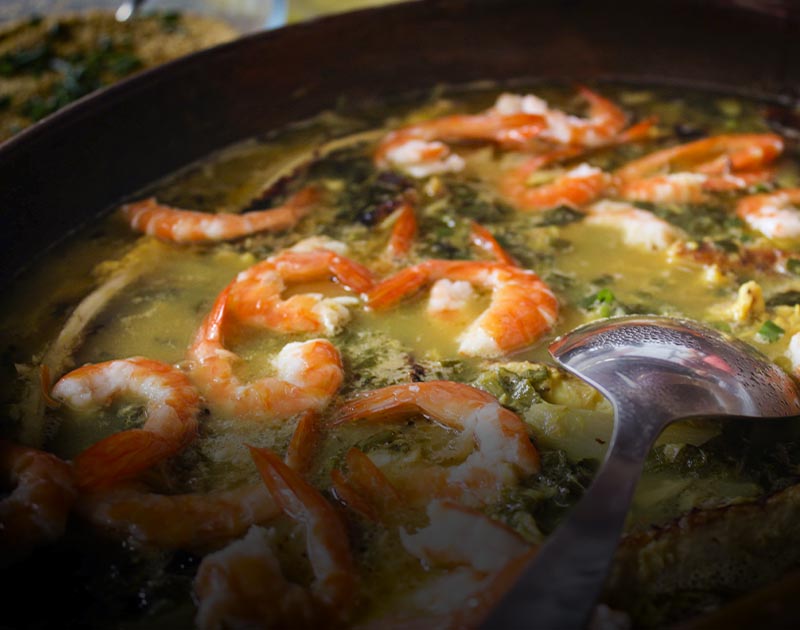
(771, 331)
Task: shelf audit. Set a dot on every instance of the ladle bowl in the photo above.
(654, 370)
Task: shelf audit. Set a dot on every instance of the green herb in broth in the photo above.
(593, 270)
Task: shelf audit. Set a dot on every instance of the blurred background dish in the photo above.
(243, 15)
(47, 62)
(53, 52)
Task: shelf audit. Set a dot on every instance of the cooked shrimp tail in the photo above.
(326, 535)
(365, 489)
(45, 384)
(120, 457)
(303, 443)
(392, 290)
(640, 131)
(485, 240)
(605, 121)
(403, 232)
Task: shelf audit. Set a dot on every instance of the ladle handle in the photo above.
(559, 589)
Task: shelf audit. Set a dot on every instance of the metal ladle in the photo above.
(654, 370)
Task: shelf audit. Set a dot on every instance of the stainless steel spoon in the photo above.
(654, 370)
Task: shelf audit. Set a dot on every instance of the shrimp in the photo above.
(420, 158)
(475, 557)
(574, 188)
(35, 511)
(459, 535)
(424, 141)
(309, 373)
(482, 556)
(513, 122)
(187, 226)
(605, 122)
(669, 188)
(255, 296)
(775, 215)
(639, 228)
(685, 173)
(530, 188)
(193, 521)
(242, 586)
(522, 307)
(243, 583)
(503, 452)
(723, 153)
(326, 534)
(687, 187)
(171, 402)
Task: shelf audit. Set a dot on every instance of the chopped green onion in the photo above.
(605, 296)
(771, 331)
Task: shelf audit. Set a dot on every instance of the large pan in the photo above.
(82, 161)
